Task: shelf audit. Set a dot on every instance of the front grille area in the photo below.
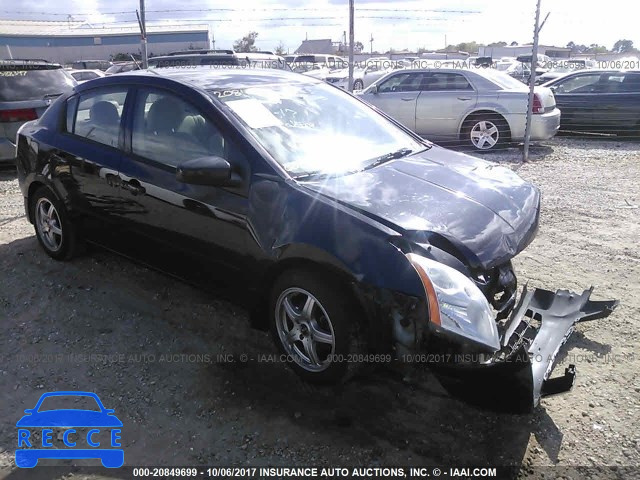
(499, 285)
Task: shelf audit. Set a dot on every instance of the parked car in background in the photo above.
(84, 75)
(318, 66)
(519, 70)
(599, 101)
(385, 245)
(91, 65)
(562, 67)
(221, 58)
(121, 67)
(27, 88)
(481, 107)
(373, 69)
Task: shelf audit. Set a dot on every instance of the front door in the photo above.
(397, 96)
(195, 231)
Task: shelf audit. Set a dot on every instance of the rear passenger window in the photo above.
(98, 116)
(169, 130)
(446, 82)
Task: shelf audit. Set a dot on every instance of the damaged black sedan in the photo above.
(344, 233)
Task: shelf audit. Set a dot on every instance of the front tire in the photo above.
(315, 326)
(56, 234)
(358, 85)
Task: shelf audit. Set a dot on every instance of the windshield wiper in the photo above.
(51, 95)
(311, 175)
(403, 152)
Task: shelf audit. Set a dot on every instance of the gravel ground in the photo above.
(181, 404)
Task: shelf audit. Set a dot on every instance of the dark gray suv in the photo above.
(27, 87)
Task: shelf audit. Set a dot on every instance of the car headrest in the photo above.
(165, 115)
(104, 113)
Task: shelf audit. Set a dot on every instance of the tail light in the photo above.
(537, 104)
(18, 115)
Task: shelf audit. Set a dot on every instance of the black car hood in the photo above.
(485, 212)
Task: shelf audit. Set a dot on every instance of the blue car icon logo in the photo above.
(97, 421)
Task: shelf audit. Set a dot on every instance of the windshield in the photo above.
(314, 128)
(17, 84)
(502, 79)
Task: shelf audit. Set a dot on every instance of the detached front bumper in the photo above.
(519, 374)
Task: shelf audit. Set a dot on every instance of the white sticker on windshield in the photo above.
(255, 114)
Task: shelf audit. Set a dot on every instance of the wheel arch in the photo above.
(321, 264)
(33, 187)
(483, 111)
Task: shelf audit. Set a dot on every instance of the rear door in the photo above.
(617, 105)
(89, 150)
(444, 100)
(398, 96)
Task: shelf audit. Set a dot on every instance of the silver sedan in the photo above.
(481, 107)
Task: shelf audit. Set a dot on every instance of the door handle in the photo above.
(407, 99)
(134, 187)
(464, 99)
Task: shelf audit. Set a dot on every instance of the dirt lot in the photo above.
(181, 405)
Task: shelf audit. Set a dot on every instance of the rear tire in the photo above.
(315, 326)
(56, 234)
(484, 132)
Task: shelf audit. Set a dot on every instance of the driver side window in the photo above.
(403, 82)
(169, 130)
(578, 84)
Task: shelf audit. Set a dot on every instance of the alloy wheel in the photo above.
(305, 329)
(48, 224)
(485, 135)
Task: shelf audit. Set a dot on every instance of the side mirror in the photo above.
(213, 171)
(373, 89)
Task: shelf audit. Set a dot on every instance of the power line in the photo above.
(232, 10)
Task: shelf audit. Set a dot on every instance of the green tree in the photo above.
(358, 47)
(497, 44)
(246, 43)
(623, 46)
(469, 47)
(279, 50)
(595, 48)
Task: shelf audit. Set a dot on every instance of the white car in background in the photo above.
(481, 107)
(365, 75)
(83, 75)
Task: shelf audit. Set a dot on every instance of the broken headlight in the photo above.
(456, 304)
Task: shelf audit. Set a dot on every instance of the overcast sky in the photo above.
(393, 24)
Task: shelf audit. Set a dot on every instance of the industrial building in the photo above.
(65, 42)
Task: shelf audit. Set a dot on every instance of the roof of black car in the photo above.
(215, 77)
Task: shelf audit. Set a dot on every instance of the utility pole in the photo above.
(143, 32)
(371, 42)
(351, 36)
(532, 81)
